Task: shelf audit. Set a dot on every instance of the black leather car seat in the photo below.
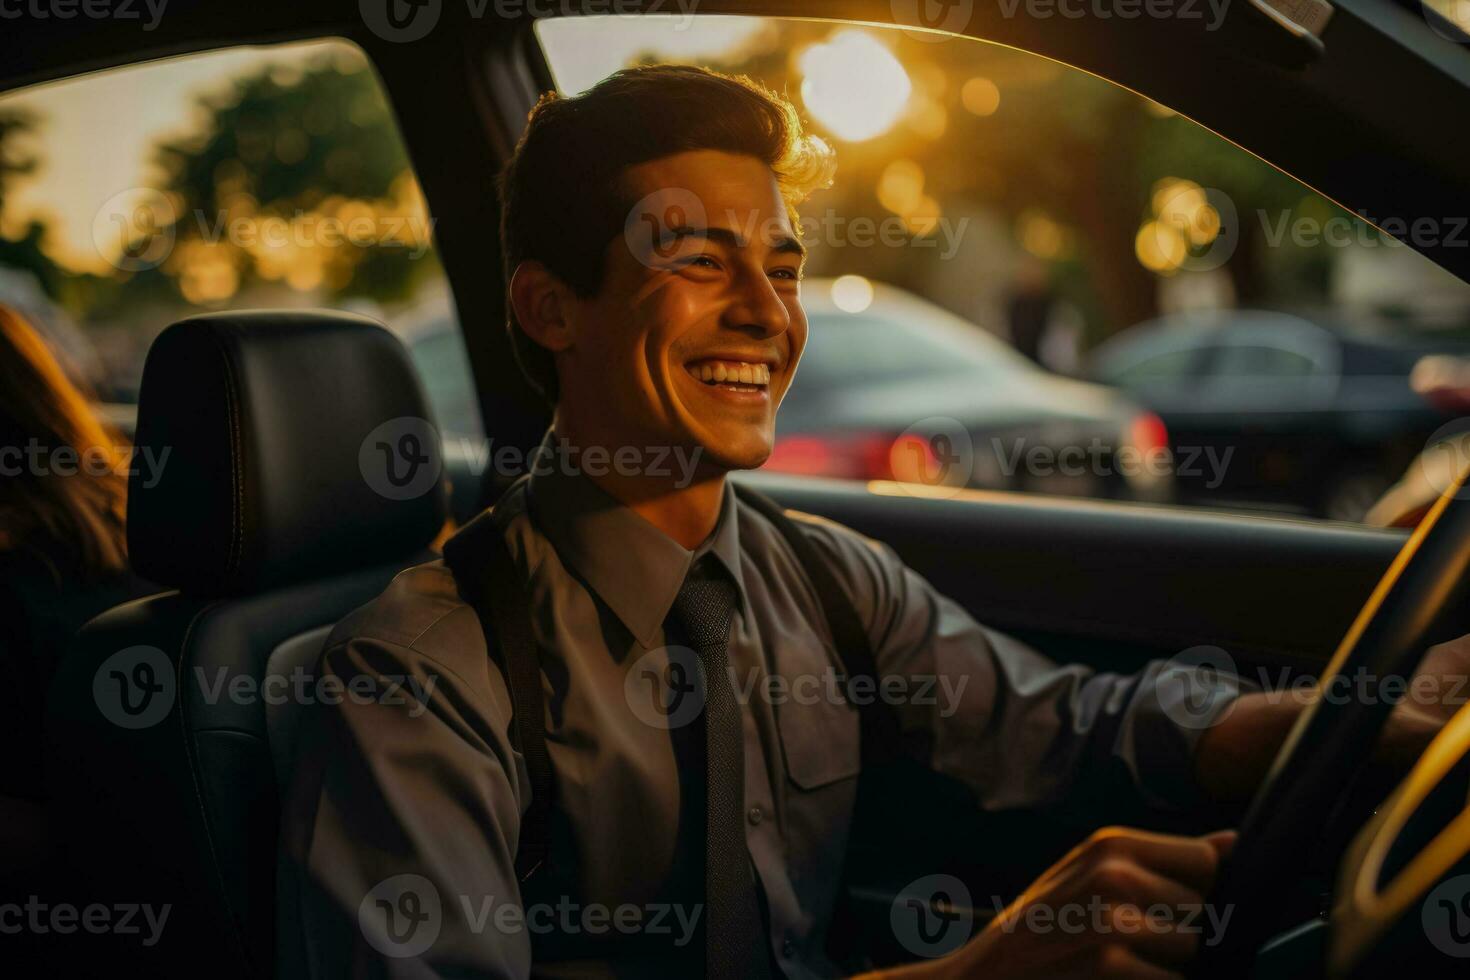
(273, 517)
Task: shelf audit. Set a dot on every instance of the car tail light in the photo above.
(856, 456)
(1148, 433)
(911, 459)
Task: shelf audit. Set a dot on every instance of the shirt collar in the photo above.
(632, 566)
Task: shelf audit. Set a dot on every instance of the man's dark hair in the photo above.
(562, 196)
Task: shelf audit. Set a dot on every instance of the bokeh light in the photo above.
(981, 96)
(852, 294)
(853, 86)
(901, 187)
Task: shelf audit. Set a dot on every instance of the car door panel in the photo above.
(1134, 581)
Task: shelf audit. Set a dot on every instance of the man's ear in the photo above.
(538, 298)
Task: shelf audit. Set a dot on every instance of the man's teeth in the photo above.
(731, 372)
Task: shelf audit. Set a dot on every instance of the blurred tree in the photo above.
(23, 252)
(310, 146)
(1069, 160)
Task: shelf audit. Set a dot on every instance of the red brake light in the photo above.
(908, 457)
(911, 459)
(842, 455)
(1148, 433)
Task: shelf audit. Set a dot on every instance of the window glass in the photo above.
(245, 178)
(1098, 234)
(843, 349)
(1258, 361)
(1175, 365)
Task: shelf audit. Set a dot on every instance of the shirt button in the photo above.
(788, 949)
(756, 815)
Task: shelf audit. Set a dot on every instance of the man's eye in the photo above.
(705, 261)
(791, 274)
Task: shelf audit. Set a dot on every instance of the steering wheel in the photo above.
(1333, 737)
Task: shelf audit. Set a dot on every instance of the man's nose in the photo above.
(757, 308)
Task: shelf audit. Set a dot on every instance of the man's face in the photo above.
(694, 336)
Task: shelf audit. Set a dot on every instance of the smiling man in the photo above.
(654, 282)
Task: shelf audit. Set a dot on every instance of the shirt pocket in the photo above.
(819, 730)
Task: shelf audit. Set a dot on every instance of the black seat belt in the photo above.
(489, 581)
(878, 722)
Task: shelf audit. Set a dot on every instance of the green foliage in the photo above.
(291, 139)
(24, 253)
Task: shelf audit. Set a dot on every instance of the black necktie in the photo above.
(735, 943)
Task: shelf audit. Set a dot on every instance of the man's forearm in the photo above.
(1233, 755)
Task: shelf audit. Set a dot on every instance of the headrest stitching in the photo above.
(232, 407)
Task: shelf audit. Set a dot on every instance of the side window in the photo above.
(1169, 367)
(1029, 205)
(1261, 361)
(252, 177)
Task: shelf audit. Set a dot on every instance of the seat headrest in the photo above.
(283, 432)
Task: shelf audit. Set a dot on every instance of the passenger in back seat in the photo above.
(63, 555)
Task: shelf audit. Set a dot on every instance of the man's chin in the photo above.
(717, 457)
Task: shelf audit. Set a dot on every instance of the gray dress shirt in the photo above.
(401, 827)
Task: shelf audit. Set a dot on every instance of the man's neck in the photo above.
(687, 510)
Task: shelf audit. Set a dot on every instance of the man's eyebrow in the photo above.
(785, 244)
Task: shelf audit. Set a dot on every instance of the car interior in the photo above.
(260, 543)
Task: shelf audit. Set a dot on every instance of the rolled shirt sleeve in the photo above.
(1017, 728)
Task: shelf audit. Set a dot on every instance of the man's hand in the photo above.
(1123, 904)
(1440, 688)
(1238, 749)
